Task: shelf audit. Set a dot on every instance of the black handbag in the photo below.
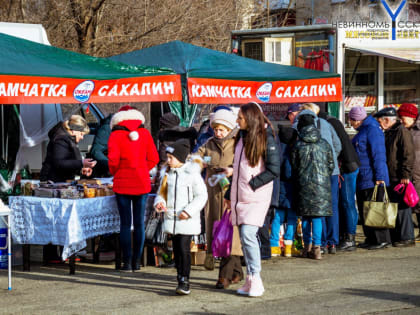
(160, 236)
(151, 227)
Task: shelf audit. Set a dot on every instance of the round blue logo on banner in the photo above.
(264, 92)
(83, 91)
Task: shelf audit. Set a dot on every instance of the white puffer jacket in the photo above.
(186, 192)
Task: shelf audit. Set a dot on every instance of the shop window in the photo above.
(313, 52)
(360, 83)
(253, 50)
(279, 50)
(400, 82)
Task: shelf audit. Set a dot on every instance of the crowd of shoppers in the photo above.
(312, 170)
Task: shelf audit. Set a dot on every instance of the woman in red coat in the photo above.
(131, 155)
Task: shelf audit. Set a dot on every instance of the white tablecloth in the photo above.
(66, 222)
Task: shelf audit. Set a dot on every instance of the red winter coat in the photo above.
(131, 154)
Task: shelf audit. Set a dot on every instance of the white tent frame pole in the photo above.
(2, 131)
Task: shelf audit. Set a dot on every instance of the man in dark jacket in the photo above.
(283, 210)
(170, 131)
(400, 158)
(349, 168)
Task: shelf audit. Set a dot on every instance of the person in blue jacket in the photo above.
(284, 211)
(370, 147)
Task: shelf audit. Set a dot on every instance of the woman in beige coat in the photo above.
(219, 151)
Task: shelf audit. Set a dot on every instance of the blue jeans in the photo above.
(138, 205)
(348, 210)
(250, 248)
(330, 225)
(278, 220)
(312, 230)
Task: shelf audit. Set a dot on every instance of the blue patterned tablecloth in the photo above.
(66, 222)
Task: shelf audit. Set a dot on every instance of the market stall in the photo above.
(214, 77)
(32, 73)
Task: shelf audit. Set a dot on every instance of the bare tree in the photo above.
(109, 27)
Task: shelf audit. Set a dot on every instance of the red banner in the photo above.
(220, 91)
(41, 90)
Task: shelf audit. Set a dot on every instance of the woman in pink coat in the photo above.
(256, 163)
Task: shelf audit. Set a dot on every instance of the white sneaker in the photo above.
(256, 287)
(244, 290)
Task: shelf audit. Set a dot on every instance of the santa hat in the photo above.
(127, 112)
(125, 107)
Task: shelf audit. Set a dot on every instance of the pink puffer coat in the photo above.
(248, 206)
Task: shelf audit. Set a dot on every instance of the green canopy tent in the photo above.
(32, 73)
(213, 77)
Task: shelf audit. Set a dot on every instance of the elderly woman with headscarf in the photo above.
(219, 150)
(408, 114)
(370, 147)
(64, 161)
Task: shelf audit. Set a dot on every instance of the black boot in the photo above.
(183, 287)
(349, 244)
(126, 267)
(136, 265)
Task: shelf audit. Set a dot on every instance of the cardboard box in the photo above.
(197, 258)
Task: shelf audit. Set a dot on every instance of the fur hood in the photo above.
(121, 116)
(193, 165)
(182, 190)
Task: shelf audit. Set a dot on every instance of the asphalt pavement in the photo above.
(361, 282)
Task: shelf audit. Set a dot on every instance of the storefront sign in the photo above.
(40, 90)
(212, 91)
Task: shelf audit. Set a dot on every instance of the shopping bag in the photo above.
(160, 236)
(151, 227)
(411, 198)
(222, 236)
(380, 214)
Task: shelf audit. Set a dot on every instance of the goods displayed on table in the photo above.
(392, 105)
(74, 190)
(359, 100)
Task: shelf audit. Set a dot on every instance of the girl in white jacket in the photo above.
(182, 195)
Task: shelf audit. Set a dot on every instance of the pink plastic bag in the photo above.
(410, 195)
(222, 236)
